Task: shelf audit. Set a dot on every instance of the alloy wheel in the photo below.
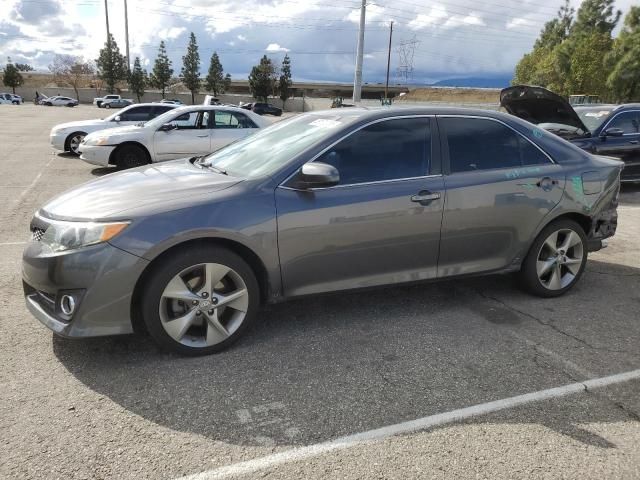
(75, 142)
(560, 259)
(203, 305)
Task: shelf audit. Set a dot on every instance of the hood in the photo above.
(116, 194)
(124, 130)
(79, 124)
(539, 105)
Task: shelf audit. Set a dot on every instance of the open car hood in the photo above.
(539, 105)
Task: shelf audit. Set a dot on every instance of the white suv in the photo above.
(182, 132)
(66, 137)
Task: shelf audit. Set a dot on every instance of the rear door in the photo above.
(499, 186)
(189, 138)
(229, 126)
(379, 225)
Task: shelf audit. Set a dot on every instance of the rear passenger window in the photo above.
(480, 144)
(388, 150)
(225, 119)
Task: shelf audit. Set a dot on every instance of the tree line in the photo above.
(577, 54)
(111, 68)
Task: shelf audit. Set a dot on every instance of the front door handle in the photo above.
(547, 183)
(634, 142)
(425, 196)
(202, 136)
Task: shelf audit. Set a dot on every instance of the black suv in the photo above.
(611, 130)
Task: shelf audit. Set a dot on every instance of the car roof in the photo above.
(373, 113)
(193, 108)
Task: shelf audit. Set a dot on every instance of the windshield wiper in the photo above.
(217, 169)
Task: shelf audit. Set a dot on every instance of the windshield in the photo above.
(271, 148)
(593, 117)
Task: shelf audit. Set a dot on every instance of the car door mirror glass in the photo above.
(118, 118)
(318, 174)
(613, 132)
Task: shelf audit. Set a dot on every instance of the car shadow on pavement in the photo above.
(322, 367)
(101, 171)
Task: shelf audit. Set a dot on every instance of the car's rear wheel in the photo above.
(130, 156)
(556, 260)
(200, 301)
(107, 106)
(73, 142)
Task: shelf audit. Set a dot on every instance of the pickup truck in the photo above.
(100, 100)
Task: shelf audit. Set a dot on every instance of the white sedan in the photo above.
(181, 132)
(59, 101)
(67, 137)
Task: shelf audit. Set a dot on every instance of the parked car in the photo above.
(10, 98)
(211, 100)
(59, 101)
(611, 130)
(184, 131)
(118, 103)
(99, 101)
(324, 201)
(266, 109)
(174, 101)
(246, 106)
(67, 137)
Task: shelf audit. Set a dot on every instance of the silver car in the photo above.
(321, 202)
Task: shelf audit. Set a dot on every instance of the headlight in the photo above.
(96, 141)
(61, 236)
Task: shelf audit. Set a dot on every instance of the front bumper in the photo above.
(57, 140)
(102, 279)
(96, 154)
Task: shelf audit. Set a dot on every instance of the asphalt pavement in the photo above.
(322, 368)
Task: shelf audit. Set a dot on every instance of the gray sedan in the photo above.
(321, 202)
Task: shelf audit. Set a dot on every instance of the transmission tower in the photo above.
(406, 51)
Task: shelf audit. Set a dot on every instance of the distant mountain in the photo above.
(476, 82)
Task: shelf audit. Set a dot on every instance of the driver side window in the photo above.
(627, 121)
(387, 150)
(137, 114)
(186, 121)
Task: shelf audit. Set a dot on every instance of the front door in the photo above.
(190, 137)
(625, 147)
(500, 187)
(379, 225)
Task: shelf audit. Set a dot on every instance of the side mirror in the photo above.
(167, 127)
(318, 174)
(117, 119)
(613, 132)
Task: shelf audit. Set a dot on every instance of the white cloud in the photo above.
(274, 47)
(242, 38)
(171, 33)
(434, 17)
(518, 22)
(457, 21)
(373, 13)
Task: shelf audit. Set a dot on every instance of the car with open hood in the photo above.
(320, 202)
(610, 130)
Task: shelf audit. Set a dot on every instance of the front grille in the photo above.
(37, 233)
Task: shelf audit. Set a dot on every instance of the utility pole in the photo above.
(357, 81)
(126, 35)
(106, 17)
(386, 86)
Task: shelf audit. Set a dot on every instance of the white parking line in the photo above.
(296, 454)
(2, 244)
(33, 184)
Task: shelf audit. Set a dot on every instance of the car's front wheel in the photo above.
(130, 156)
(73, 142)
(107, 106)
(556, 260)
(200, 301)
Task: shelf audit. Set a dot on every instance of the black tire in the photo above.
(48, 104)
(71, 140)
(130, 156)
(71, 104)
(528, 275)
(171, 266)
(107, 106)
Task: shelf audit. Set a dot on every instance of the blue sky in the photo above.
(455, 38)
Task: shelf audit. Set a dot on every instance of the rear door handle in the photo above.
(425, 196)
(546, 183)
(202, 136)
(634, 142)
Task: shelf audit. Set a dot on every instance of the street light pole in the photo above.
(357, 81)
